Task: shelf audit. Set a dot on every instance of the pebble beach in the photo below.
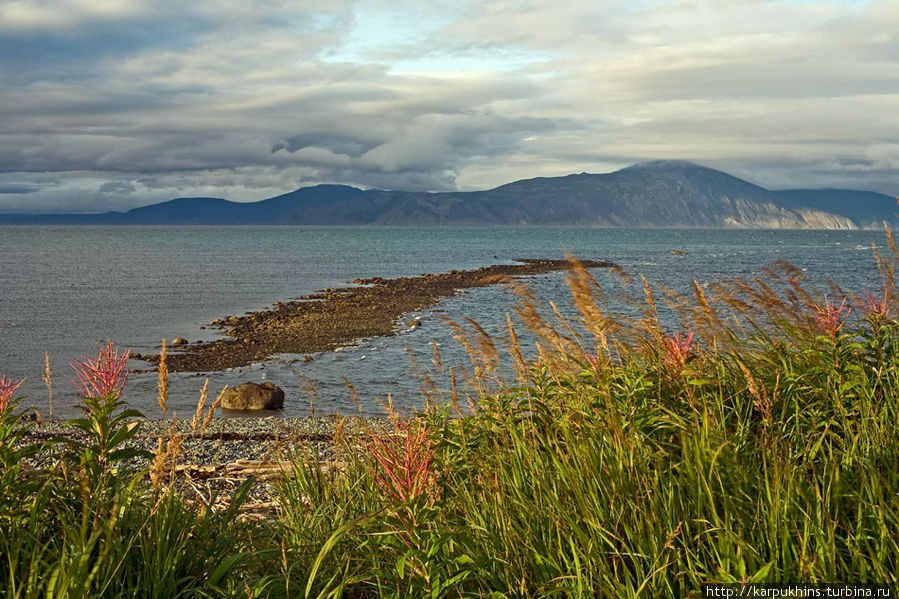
(231, 450)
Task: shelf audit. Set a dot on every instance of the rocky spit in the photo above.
(332, 317)
(215, 463)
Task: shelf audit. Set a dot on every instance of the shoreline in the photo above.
(330, 318)
(235, 449)
(226, 440)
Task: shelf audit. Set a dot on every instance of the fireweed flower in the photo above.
(405, 464)
(677, 349)
(878, 307)
(7, 388)
(831, 318)
(104, 377)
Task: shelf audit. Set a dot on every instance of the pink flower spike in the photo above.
(104, 377)
(876, 306)
(677, 349)
(406, 462)
(7, 388)
(831, 318)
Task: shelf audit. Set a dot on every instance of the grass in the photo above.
(755, 443)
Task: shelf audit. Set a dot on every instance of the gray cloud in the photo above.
(115, 104)
(18, 189)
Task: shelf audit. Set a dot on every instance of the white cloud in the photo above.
(52, 15)
(244, 100)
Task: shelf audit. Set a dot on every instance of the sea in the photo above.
(65, 290)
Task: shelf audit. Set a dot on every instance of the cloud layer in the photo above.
(110, 104)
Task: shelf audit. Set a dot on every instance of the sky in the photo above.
(113, 104)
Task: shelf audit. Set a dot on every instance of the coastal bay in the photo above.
(65, 290)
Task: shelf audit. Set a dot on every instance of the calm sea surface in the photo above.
(65, 290)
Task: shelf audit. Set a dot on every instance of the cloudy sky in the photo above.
(111, 104)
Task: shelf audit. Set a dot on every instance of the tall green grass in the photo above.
(756, 443)
(755, 440)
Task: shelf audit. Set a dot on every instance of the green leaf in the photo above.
(120, 455)
(762, 574)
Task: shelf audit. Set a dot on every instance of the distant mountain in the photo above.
(657, 194)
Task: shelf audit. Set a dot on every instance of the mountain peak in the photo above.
(663, 165)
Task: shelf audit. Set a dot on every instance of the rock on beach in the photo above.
(252, 396)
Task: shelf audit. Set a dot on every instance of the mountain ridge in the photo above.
(656, 194)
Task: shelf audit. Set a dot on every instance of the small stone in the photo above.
(307, 358)
(178, 341)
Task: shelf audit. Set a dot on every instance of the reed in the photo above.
(47, 377)
(163, 380)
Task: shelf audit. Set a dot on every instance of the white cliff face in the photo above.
(826, 220)
(755, 215)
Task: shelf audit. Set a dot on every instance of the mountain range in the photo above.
(658, 194)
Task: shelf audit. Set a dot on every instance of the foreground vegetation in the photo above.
(758, 442)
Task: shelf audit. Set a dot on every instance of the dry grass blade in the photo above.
(354, 394)
(426, 385)
(198, 414)
(310, 390)
(514, 347)
(207, 420)
(163, 382)
(487, 351)
(589, 300)
(47, 377)
(165, 458)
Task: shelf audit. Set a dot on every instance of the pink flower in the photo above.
(104, 377)
(7, 388)
(876, 306)
(677, 348)
(406, 462)
(831, 318)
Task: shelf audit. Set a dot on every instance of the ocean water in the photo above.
(65, 290)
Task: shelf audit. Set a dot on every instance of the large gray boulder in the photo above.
(251, 396)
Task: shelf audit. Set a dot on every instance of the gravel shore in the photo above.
(230, 439)
(233, 449)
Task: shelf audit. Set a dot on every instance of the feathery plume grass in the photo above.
(210, 413)
(201, 405)
(162, 384)
(47, 377)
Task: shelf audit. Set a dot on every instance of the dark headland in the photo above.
(330, 318)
